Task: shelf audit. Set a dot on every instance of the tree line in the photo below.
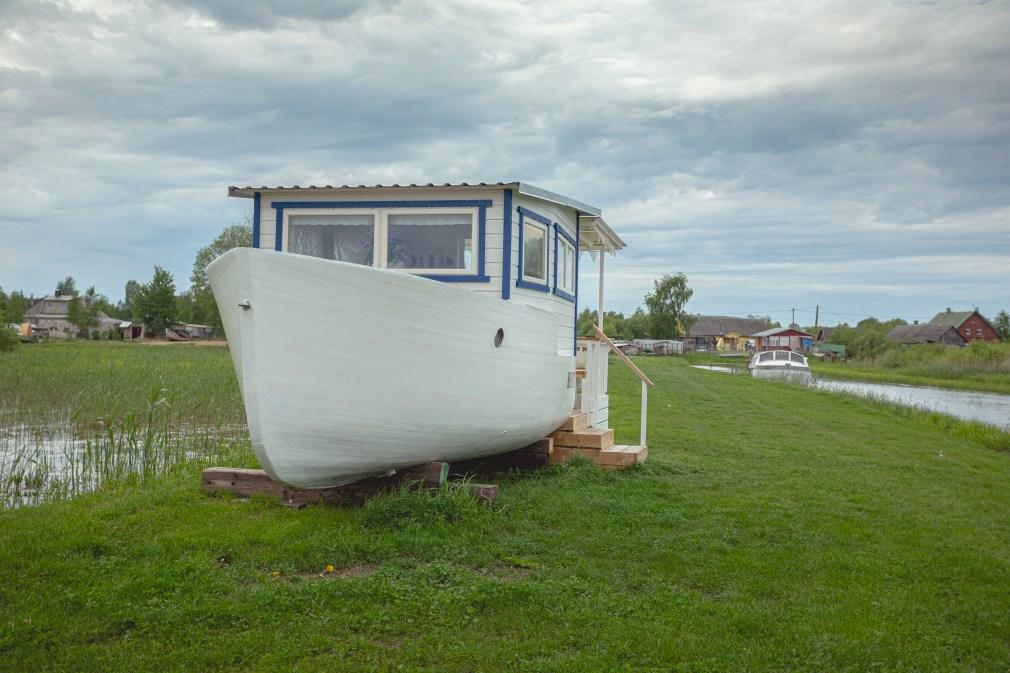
(156, 303)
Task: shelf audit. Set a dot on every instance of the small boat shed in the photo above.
(510, 239)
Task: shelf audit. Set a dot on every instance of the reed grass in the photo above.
(75, 416)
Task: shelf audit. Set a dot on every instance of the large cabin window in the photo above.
(343, 237)
(430, 241)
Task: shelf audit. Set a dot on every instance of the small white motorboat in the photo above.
(782, 365)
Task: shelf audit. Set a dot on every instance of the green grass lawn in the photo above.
(773, 528)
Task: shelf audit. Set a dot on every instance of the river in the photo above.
(991, 408)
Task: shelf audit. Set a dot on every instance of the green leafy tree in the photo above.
(155, 304)
(67, 287)
(666, 303)
(1002, 325)
(75, 313)
(204, 306)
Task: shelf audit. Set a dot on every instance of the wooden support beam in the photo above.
(246, 483)
(535, 456)
(595, 438)
(575, 423)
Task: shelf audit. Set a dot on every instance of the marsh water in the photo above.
(991, 408)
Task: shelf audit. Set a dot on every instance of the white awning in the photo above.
(595, 235)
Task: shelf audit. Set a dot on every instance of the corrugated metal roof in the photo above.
(927, 333)
(717, 325)
(951, 318)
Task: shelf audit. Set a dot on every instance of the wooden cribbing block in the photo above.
(534, 456)
(245, 483)
(614, 458)
(575, 423)
(595, 438)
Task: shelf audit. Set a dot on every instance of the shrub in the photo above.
(8, 339)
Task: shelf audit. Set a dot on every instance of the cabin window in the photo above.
(534, 251)
(344, 237)
(430, 241)
(766, 357)
(781, 355)
(978, 331)
(564, 264)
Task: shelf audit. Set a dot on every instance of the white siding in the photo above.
(493, 245)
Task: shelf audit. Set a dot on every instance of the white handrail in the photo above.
(646, 381)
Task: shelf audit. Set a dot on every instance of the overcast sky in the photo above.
(853, 155)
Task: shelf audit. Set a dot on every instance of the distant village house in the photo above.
(783, 338)
(722, 334)
(972, 325)
(48, 318)
(926, 334)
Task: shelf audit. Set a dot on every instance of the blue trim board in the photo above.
(482, 205)
(506, 244)
(575, 328)
(256, 220)
(524, 213)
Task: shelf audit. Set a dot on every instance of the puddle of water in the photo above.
(729, 369)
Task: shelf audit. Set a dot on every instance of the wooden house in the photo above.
(723, 334)
(972, 325)
(783, 338)
(927, 334)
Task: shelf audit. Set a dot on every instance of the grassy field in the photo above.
(978, 367)
(773, 528)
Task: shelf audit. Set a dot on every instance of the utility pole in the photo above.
(794, 317)
(817, 317)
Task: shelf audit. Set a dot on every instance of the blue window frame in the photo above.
(564, 242)
(481, 206)
(535, 220)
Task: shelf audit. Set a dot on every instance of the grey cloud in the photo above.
(752, 149)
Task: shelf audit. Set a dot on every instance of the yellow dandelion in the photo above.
(329, 568)
(275, 573)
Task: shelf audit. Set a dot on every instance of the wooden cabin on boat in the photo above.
(509, 240)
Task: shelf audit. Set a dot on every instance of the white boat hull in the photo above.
(348, 371)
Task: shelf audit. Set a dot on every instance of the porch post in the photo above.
(600, 302)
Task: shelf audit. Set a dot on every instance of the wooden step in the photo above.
(594, 438)
(617, 457)
(577, 422)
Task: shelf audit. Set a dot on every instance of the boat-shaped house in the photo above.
(378, 327)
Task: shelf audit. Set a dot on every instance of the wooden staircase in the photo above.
(575, 437)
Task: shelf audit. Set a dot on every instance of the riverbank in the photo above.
(981, 366)
(773, 528)
(978, 381)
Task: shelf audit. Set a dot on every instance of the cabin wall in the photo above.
(564, 309)
(493, 245)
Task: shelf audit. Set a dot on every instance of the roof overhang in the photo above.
(595, 235)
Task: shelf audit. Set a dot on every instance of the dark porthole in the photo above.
(499, 336)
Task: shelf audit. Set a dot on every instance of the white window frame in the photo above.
(380, 242)
(547, 246)
(564, 246)
(474, 243)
